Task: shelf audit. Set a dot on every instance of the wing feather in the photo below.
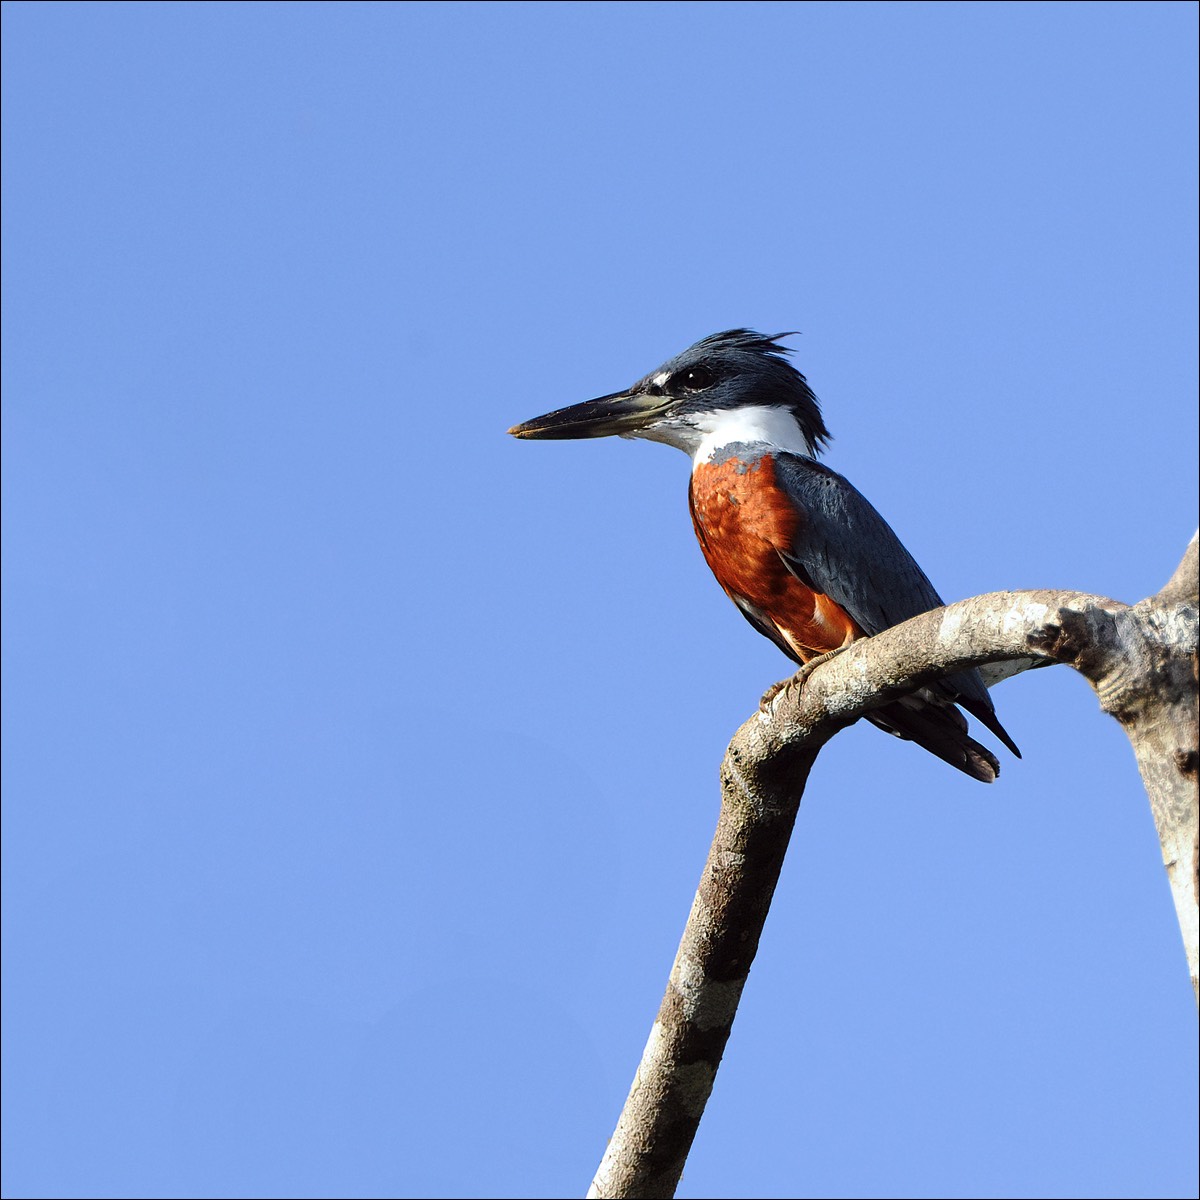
(848, 551)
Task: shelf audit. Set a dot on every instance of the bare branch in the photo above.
(1141, 662)
(1185, 583)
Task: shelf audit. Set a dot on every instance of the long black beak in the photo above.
(622, 412)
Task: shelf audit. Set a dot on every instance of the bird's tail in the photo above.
(941, 729)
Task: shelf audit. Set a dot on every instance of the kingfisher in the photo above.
(800, 551)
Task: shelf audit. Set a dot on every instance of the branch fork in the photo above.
(1141, 660)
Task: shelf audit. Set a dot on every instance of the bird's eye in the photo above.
(693, 379)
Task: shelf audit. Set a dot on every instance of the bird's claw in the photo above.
(764, 705)
(796, 681)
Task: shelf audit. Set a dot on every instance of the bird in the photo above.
(798, 549)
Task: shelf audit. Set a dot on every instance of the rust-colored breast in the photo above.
(743, 519)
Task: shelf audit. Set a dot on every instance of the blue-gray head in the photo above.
(731, 387)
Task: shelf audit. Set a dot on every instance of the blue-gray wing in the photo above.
(846, 550)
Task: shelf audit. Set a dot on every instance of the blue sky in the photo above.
(360, 761)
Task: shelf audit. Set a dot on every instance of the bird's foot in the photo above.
(764, 705)
(796, 681)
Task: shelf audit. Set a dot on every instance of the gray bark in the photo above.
(1141, 660)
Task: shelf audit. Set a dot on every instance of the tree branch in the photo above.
(1140, 660)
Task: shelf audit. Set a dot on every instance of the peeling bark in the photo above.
(1141, 661)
